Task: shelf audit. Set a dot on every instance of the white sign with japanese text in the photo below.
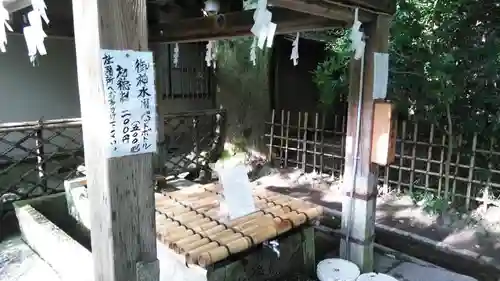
(128, 79)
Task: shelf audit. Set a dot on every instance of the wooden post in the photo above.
(120, 189)
(362, 219)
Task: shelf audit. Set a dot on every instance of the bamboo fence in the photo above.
(189, 221)
(306, 141)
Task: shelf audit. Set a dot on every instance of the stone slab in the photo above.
(408, 271)
(18, 262)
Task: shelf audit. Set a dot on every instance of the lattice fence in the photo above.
(193, 140)
(309, 142)
(36, 157)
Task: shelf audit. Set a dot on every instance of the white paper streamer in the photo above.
(263, 28)
(34, 35)
(253, 52)
(41, 8)
(4, 21)
(295, 50)
(176, 55)
(356, 36)
(211, 54)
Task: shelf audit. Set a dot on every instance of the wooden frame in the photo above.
(120, 190)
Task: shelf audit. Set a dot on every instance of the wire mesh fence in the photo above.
(36, 157)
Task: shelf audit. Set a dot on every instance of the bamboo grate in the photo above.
(189, 222)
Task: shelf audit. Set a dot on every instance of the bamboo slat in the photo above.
(190, 222)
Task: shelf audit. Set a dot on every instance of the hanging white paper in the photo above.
(176, 55)
(41, 8)
(271, 31)
(263, 28)
(380, 75)
(211, 54)
(295, 50)
(4, 21)
(356, 36)
(128, 80)
(237, 191)
(253, 51)
(35, 36)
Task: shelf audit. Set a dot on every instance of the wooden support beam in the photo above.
(15, 5)
(361, 216)
(120, 189)
(235, 24)
(208, 28)
(385, 6)
(323, 9)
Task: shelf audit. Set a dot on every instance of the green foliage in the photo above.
(431, 204)
(444, 68)
(331, 75)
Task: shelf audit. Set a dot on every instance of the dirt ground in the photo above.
(477, 232)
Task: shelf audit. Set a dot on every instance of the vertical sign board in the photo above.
(128, 78)
(383, 134)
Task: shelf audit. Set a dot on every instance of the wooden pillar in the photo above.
(120, 189)
(361, 216)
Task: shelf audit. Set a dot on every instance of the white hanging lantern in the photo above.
(4, 21)
(295, 50)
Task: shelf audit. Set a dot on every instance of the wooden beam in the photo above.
(207, 28)
(323, 9)
(120, 189)
(385, 6)
(359, 220)
(15, 5)
(235, 24)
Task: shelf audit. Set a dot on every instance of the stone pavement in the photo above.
(411, 271)
(19, 263)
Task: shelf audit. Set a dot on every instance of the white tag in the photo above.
(380, 75)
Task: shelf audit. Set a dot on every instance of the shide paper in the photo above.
(295, 50)
(263, 29)
(4, 20)
(176, 55)
(34, 34)
(211, 54)
(356, 36)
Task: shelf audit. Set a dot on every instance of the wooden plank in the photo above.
(120, 189)
(387, 6)
(235, 24)
(358, 212)
(329, 10)
(384, 134)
